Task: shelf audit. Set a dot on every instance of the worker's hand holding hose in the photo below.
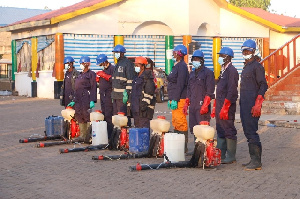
(204, 107)
(71, 104)
(225, 109)
(125, 97)
(256, 109)
(92, 104)
(213, 111)
(186, 106)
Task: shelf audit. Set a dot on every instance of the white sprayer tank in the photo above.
(160, 125)
(119, 120)
(203, 132)
(174, 147)
(99, 128)
(96, 116)
(68, 113)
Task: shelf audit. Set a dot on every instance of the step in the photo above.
(281, 108)
(291, 87)
(280, 98)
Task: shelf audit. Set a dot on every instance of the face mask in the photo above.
(67, 66)
(81, 66)
(246, 57)
(221, 61)
(196, 64)
(117, 55)
(137, 69)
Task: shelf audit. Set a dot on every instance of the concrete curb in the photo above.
(277, 123)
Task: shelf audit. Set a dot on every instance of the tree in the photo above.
(264, 4)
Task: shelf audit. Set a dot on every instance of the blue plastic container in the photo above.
(54, 125)
(139, 140)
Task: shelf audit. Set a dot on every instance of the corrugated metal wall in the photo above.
(90, 45)
(235, 44)
(148, 46)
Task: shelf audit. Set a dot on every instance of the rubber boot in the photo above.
(221, 144)
(231, 151)
(83, 131)
(255, 154)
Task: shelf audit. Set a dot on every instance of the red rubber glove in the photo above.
(204, 107)
(103, 75)
(225, 109)
(213, 111)
(186, 106)
(256, 109)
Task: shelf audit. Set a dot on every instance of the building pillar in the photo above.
(187, 39)
(216, 48)
(33, 66)
(118, 40)
(14, 59)
(59, 64)
(169, 46)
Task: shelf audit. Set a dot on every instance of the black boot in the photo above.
(231, 151)
(255, 154)
(221, 144)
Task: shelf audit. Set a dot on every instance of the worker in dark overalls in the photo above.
(68, 87)
(252, 90)
(142, 100)
(121, 81)
(177, 89)
(225, 106)
(105, 89)
(200, 91)
(85, 96)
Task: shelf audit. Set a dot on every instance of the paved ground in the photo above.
(30, 172)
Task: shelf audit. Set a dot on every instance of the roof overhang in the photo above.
(59, 18)
(224, 4)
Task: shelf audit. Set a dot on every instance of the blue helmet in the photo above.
(119, 48)
(84, 59)
(181, 48)
(249, 45)
(68, 59)
(198, 53)
(227, 51)
(101, 58)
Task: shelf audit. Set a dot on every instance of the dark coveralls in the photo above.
(105, 89)
(68, 86)
(253, 83)
(227, 88)
(177, 90)
(121, 80)
(85, 91)
(142, 100)
(201, 83)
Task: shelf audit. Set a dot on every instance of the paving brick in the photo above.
(30, 172)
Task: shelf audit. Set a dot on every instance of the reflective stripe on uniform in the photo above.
(128, 87)
(147, 95)
(119, 90)
(121, 78)
(146, 100)
(152, 107)
(129, 81)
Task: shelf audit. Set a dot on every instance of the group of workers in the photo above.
(129, 87)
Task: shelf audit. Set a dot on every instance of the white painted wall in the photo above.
(23, 83)
(233, 25)
(279, 39)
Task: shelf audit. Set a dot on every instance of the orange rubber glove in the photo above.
(204, 107)
(225, 109)
(186, 106)
(213, 111)
(256, 109)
